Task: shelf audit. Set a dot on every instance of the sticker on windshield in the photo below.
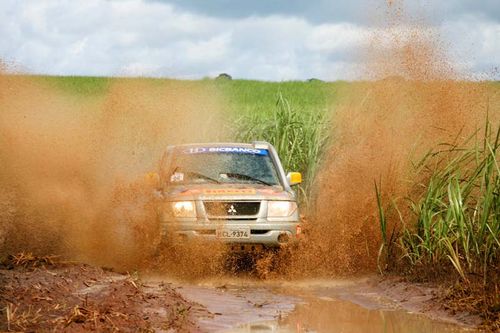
(232, 150)
(177, 177)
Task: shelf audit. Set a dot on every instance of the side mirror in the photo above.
(294, 178)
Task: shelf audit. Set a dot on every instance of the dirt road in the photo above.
(354, 305)
(37, 294)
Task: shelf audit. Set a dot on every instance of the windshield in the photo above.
(223, 165)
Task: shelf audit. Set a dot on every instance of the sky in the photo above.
(271, 40)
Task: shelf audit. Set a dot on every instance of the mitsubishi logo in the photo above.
(231, 210)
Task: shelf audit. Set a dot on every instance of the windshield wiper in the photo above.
(202, 176)
(247, 177)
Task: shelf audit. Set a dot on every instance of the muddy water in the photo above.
(245, 305)
(331, 314)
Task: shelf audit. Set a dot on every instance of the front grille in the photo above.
(231, 208)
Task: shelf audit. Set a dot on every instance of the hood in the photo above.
(227, 192)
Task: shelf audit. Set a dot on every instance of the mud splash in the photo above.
(417, 99)
(72, 163)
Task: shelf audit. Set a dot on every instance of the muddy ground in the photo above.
(45, 294)
(38, 294)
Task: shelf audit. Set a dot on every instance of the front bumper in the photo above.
(269, 234)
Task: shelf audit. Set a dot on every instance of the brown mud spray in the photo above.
(69, 163)
(72, 165)
(415, 100)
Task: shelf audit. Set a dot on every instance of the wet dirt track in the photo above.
(245, 305)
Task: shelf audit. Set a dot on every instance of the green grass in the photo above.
(456, 219)
(258, 98)
(79, 85)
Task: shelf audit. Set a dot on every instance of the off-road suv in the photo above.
(233, 192)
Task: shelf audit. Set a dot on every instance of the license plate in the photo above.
(233, 233)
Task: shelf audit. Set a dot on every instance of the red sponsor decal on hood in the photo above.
(229, 191)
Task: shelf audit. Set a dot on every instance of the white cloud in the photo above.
(136, 37)
(79, 46)
(336, 37)
(475, 44)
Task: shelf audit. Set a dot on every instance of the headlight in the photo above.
(184, 209)
(281, 208)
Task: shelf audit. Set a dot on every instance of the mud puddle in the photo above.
(245, 305)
